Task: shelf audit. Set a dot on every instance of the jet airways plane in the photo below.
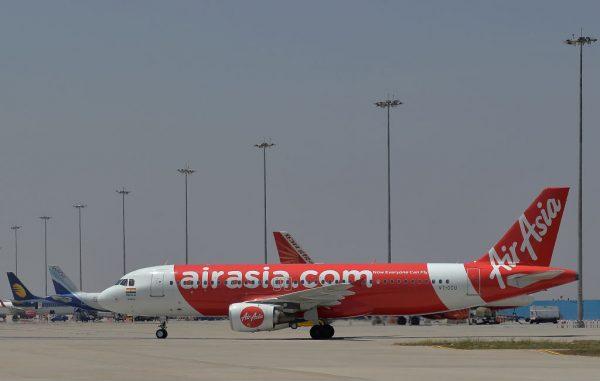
(275, 296)
(26, 301)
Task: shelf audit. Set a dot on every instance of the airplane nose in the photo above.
(109, 299)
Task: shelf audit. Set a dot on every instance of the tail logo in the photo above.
(537, 231)
(19, 290)
(252, 317)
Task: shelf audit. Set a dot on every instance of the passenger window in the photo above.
(171, 283)
(447, 281)
(131, 282)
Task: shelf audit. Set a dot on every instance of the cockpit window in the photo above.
(123, 282)
(131, 282)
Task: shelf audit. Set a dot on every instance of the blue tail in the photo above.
(19, 291)
(62, 284)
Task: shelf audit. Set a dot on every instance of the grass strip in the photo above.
(577, 347)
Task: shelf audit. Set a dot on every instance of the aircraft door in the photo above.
(473, 275)
(157, 284)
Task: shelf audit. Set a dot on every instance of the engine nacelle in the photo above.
(252, 317)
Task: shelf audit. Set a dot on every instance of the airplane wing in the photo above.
(323, 296)
(62, 299)
(289, 250)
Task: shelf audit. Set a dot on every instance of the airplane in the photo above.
(68, 293)
(7, 308)
(25, 300)
(290, 251)
(267, 297)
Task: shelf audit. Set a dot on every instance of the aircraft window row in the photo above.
(279, 282)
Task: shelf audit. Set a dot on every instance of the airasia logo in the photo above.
(252, 317)
(509, 258)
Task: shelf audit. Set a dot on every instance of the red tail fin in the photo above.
(289, 250)
(530, 240)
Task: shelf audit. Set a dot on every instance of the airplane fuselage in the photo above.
(379, 289)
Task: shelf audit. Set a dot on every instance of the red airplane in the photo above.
(275, 296)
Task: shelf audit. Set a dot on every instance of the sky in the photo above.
(99, 95)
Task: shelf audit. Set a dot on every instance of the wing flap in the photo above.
(323, 296)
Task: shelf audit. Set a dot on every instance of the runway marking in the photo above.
(551, 352)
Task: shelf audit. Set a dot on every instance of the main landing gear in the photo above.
(162, 333)
(322, 332)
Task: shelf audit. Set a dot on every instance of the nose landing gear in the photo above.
(162, 333)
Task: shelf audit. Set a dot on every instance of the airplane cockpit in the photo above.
(126, 282)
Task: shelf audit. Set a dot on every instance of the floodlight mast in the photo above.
(264, 145)
(580, 42)
(186, 171)
(387, 104)
(123, 192)
(15, 228)
(45, 219)
(79, 207)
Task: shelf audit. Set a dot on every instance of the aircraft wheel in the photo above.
(161, 334)
(328, 331)
(401, 320)
(316, 332)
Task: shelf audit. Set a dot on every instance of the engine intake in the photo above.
(253, 317)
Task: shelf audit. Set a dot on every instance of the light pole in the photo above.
(264, 145)
(387, 104)
(79, 207)
(45, 220)
(580, 42)
(15, 228)
(187, 171)
(123, 192)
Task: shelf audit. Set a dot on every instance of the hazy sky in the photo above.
(95, 95)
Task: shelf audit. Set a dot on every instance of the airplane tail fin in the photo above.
(289, 250)
(62, 284)
(531, 238)
(19, 291)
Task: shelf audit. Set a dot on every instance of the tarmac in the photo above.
(211, 351)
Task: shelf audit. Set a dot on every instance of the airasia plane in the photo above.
(275, 296)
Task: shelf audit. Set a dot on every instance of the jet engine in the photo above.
(253, 317)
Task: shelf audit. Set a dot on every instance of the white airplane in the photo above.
(265, 297)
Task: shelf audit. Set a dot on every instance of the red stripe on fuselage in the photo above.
(383, 289)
